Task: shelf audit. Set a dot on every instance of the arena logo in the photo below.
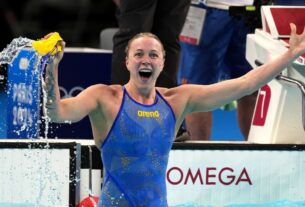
(212, 175)
(148, 114)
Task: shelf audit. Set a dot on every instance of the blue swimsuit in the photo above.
(135, 154)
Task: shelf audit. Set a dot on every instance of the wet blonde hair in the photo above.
(144, 34)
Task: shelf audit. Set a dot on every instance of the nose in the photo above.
(146, 60)
(145, 63)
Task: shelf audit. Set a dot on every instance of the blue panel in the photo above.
(3, 106)
(23, 96)
(3, 100)
(225, 126)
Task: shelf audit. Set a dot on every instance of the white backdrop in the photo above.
(35, 176)
(222, 177)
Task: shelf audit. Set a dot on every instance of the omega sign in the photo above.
(208, 176)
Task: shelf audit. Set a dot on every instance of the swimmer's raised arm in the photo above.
(209, 97)
(70, 109)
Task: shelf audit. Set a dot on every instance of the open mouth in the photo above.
(145, 73)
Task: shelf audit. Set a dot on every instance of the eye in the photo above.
(138, 54)
(154, 55)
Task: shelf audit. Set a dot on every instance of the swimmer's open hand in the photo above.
(297, 42)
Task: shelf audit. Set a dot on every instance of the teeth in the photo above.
(145, 70)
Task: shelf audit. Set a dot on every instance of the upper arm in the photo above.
(76, 108)
(208, 97)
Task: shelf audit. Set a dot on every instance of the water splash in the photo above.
(11, 51)
(8, 55)
(44, 108)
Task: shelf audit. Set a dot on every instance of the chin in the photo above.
(147, 83)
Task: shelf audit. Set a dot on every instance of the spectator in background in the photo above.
(164, 18)
(218, 55)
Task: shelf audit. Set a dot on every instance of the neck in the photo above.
(144, 95)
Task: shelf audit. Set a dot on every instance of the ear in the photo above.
(127, 63)
(162, 64)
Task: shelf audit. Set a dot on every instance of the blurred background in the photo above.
(79, 22)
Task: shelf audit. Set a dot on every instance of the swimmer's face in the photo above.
(145, 60)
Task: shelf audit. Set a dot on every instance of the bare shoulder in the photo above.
(172, 93)
(108, 99)
(105, 90)
(177, 99)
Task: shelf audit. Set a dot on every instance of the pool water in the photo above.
(272, 204)
(20, 205)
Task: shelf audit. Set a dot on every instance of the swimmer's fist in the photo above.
(57, 52)
(52, 45)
